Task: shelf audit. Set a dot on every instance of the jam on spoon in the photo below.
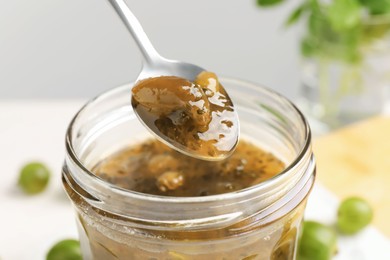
(197, 118)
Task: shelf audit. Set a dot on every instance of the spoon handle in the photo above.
(150, 54)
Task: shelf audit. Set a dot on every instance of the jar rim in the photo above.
(210, 198)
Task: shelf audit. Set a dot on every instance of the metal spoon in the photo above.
(155, 66)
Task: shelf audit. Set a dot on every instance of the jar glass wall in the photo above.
(259, 222)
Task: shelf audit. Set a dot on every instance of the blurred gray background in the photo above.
(79, 48)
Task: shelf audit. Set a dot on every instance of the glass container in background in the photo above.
(261, 222)
(345, 75)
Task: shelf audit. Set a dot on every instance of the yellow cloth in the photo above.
(355, 161)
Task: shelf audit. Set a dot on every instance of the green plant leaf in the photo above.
(376, 6)
(295, 15)
(318, 24)
(308, 47)
(322, 40)
(344, 14)
(315, 5)
(268, 2)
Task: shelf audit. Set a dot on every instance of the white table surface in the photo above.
(29, 225)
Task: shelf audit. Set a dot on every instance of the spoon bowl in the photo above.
(223, 128)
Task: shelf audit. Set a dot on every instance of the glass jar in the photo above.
(260, 222)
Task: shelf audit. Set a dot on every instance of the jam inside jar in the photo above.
(257, 221)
